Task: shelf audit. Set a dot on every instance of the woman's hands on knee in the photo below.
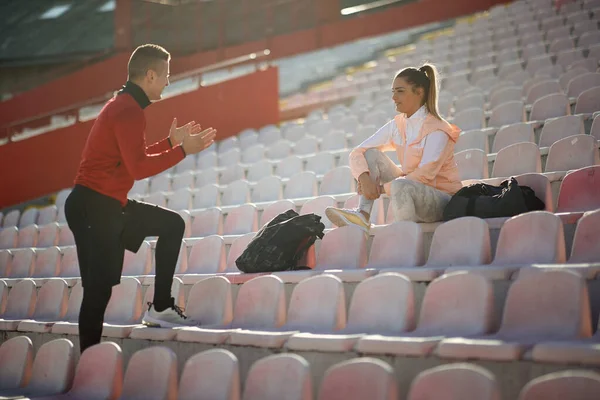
(368, 188)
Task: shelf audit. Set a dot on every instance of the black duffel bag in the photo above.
(281, 243)
(488, 201)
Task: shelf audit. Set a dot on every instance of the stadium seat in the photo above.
(335, 140)
(294, 132)
(237, 248)
(279, 149)
(51, 306)
(381, 305)
(337, 181)
(22, 263)
(511, 112)
(11, 219)
(20, 305)
(289, 166)
(180, 199)
(300, 185)
(469, 248)
(69, 266)
(16, 358)
(185, 180)
(139, 263)
(359, 378)
(320, 163)
(237, 192)
(210, 375)
(274, 209)
(206, 177)
(124, 309)
(558, 128)
(586, 238)
(47, 262)
(567, 57)
(51, 373)
(8, 237)
(232, 156)
(210, 302)
(437, 319)
(472, 164)
(570, 384)
(515, 159)
(160, 183)
(317, 206)
(470, 119)
(227, 144)
(61, 197)
(27, 236)
(511, 134)
(28, 217)
(69, 321)
(573, 152)
(588, 101)
(269, 134)
(476, 139)
(545, 306)
(231, 173)
(541, 89)
(260, 170)
(207, 256)
(47, 215)
(253, 154)
(279, 376)
(151, 374)
(566, 78)
(550, 106)
(595, 129)
(241, 220)
(560, 44)
(455, 382)
(207, 196)
(207, 222)
(306, 145)
(267, 189)
(588, 39)
(580, 190)
(48, 234)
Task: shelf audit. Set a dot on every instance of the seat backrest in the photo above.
(11, 218)
(210, 301)
(580, 190)
(571, 384)
(8, 237)
(267, 189)
(236, 249)
(210, 375)
(27, 236)
(22, 263)
(343, 248)
(553, 304)
(337, 181)
(232, 156)
(476, 139)
(138, 263)
(541, 89)
(207, 222)
(125, 304)
(518, 158)
(177, 292)
(207, 256)
(253, 153)
(69, 264)
(472, 164)
(289, 166)
(511, 134)
(472, 294)
(507, 113)
(302, 184)
(587, 236)
(399, 244)
(359, 378)
(53, 368)
(588, 101)
(93, 382)
(235, 193)
(16, 358)
(550, 106)
(259, 170)
(28, 217)
(260, 304)
(151, 374)
(306, 145)
(241, 220)
(279, 377)
(181, 199)
(52, 301)
(461, 242)
(533, 237)
(382, 304)
(583, 82)
(317, 206)
(570, 74)
(21, 300)
(571, 153)
(74, 303)
(48, 234)
(231, 174)
(455, 382)
(469, 119)
(595, 129)
(558, 128)
(274, 209)
(317, 304)
(65, 236)
(320, 163)
(279, 149)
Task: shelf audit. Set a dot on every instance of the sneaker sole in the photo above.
(339, 220)
(157, 323)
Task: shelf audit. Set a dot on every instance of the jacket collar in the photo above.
(137, 93)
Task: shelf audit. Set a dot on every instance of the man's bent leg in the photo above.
(91, 314)
(152, 220)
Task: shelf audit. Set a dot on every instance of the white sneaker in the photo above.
(343, 216)
(172, 317)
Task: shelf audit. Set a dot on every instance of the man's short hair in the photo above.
(145, 57)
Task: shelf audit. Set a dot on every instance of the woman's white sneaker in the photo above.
(343, 216)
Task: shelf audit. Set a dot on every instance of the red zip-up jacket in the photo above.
(116, 154)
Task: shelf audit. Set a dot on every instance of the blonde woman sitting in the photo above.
(421, 186)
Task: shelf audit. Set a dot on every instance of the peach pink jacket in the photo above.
(440, 173)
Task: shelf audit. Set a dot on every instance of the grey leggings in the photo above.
(411, 200)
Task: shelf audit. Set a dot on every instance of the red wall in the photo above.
(98, 79)
(47, 163)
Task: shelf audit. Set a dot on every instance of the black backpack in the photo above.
(487, 201)
(281, 243)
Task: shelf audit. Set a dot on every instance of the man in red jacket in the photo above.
(103, 221)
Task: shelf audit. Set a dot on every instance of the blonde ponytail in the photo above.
(431, 99)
